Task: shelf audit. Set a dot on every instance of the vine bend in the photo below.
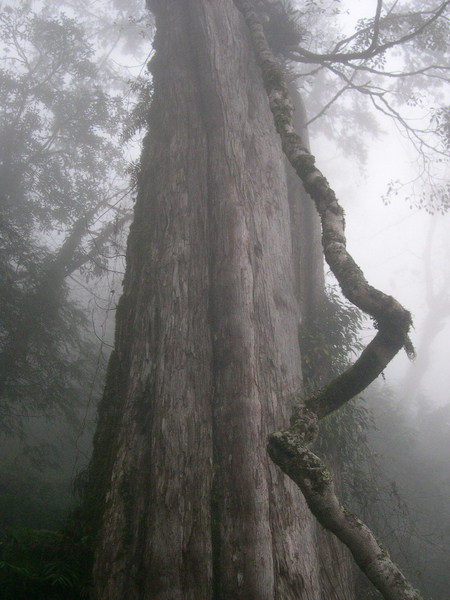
(290, 449)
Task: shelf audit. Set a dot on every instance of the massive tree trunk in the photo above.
(207, 352)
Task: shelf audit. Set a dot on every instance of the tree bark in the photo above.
(207, 352)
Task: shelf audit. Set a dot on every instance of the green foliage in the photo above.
(402, 488)
(58, 159)
(42, 565)
(45, 547)
(55, 119)
(329, 338)
(137, 120)
(392, 26)
(343, 436)
(34, 491)
(441, 120)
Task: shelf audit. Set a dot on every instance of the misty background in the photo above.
(74, 91)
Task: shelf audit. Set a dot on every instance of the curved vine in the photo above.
(289, 449)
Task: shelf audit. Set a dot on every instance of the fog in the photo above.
(396, 230)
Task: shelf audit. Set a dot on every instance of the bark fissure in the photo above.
(155, 536)
(289, 449)
(241, 540)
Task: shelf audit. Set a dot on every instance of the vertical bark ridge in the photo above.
(254, 319)
(305, 227)
(155, 538)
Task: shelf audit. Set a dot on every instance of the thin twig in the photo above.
(306, 56)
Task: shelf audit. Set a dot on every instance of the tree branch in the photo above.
(306, 56)
(290, 449)
(377, 95)
(290, 452)
(324, 109)
(422, 71)
(376, 26)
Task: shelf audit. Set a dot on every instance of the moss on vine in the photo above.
(273, 77)
(282, 119)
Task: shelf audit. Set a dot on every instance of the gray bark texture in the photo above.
(190, 506)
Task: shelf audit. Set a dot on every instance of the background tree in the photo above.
(63, 197)
(59, 174)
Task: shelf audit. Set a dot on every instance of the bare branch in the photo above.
(316, 484)
(305, 56)
(425, 71)
(376, 25)
(328, 104)
(413, 133)
(89, 255)
(376, 94)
